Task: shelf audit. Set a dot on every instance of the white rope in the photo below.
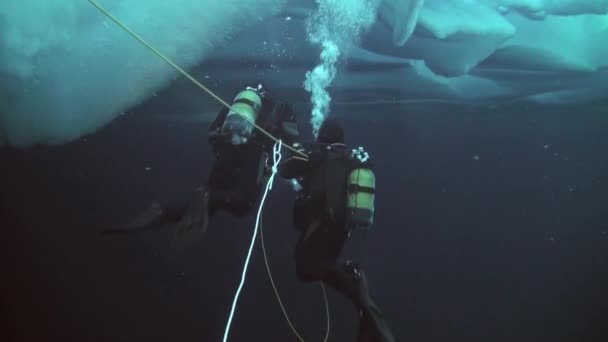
(276, 157)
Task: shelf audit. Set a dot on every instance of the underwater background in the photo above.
(491, 224)
(486, 120)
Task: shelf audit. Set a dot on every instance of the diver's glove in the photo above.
(295, 184)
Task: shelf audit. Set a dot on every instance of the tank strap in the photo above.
(359, 188)
(247, 102)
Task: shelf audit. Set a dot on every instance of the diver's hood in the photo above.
(331, 132)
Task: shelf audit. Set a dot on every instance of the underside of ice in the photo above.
(66, 70)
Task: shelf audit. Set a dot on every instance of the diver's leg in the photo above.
(316, 255)
(236, 202)
(193, 225)
(316, 251)
(206, 202)
(238, 180)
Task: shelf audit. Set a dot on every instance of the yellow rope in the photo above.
(276, 292)
(304, 155)
(185, 74)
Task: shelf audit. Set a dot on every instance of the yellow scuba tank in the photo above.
(243, 113)
(360, 195)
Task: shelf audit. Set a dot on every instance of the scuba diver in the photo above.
(336, 189)
(239, 170)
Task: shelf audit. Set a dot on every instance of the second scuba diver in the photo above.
(336, 199)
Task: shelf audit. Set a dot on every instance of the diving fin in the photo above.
(148, 219)
(372, 325)
(193, 225)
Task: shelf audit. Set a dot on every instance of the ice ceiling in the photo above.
(66, 70)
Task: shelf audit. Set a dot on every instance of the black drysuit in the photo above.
(322, 239)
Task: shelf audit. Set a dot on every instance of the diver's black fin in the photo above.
(122, 230)
(149, 219)
(372, 325)
(193, 225)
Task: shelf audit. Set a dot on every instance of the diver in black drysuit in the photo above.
(237, 175)
(322, 237)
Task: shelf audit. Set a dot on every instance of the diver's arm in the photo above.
(288, 128)
(219, 119)
(294, 166)
(215, 134)
(216, 125)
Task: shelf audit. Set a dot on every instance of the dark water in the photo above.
(490, 226)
